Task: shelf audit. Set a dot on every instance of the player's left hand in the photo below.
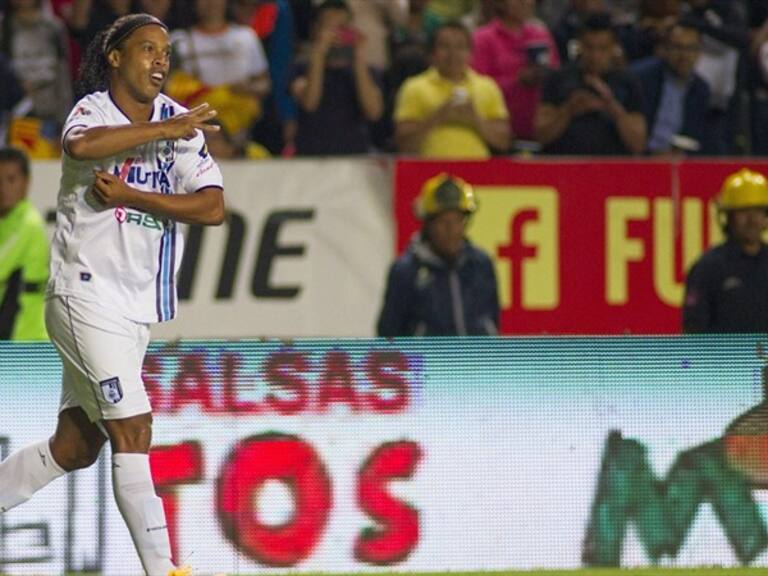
(110, 190)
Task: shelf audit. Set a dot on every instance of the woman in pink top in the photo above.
(516, 50)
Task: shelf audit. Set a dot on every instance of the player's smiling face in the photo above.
(142, 62)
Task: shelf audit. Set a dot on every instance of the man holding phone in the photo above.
(337, 93)
(518, 52)
(451, 111)
(592, 107)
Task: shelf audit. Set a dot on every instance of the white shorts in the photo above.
(102, 355)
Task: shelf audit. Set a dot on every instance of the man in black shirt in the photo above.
(591, 107)
(727, 288)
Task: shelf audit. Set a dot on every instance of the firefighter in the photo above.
(727, 288)
(443, 285)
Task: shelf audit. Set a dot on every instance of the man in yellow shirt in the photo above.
(23, 253)
(450, 111)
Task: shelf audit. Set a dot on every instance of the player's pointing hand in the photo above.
(186, 125)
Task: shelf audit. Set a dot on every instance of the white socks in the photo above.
(28, 470)
(25, 472)
(142, 511)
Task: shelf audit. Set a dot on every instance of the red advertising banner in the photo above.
(584, 247)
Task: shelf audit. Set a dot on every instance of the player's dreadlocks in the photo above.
(94, 69)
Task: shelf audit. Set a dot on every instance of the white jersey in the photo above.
(233, 55)
(121, 257)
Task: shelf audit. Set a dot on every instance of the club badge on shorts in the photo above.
(112, 390)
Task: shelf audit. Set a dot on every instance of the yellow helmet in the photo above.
(445, 192)
(743, 189)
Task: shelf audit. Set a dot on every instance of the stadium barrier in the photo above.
(428, 455)
(580, 247)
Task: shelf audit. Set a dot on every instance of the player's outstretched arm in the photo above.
(206, 206)
(99, 142)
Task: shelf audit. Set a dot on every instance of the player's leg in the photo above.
(75, 444)
(107, 352)
(25, 472)
(134, 491)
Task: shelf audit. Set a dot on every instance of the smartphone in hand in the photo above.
(538, 54)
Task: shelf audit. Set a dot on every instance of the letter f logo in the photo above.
(519, 227)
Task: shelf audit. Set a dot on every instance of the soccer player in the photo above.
(135, 164)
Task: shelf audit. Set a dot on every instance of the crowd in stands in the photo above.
(432, 78)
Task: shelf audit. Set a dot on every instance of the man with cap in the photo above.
(727, 288)
(443, 285)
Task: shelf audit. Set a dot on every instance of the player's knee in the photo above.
(74, 452)
(86, 457)
(75, 457)
(131, 435)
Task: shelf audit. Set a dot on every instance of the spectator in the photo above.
(758, 76)
(23, 253)
(550, 11)
(485, 11)
(725, 37)
(443, 285)
(303, 12)
(450, 111)
(87, 17)
(166, 11)
(62, 9)
(726, 288)
(222, 63)
(377, 21)
(591, 107)
(448, 10)
(566, 30)
(410, 44)
(338, 94)
(36, 45)
(11, 94)
(655, 17)
(272, 20)
(675, 98)
(517, 52)
(409, 55)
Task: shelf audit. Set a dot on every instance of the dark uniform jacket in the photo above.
(427, 297)
(727, 291)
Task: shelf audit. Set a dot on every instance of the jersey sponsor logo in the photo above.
(166, 111)
(124, 169)
(202, 169)
(85, 276)
(81, 111)
(138, 174)
(111, 390)
(138, 219)
(203, 152)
